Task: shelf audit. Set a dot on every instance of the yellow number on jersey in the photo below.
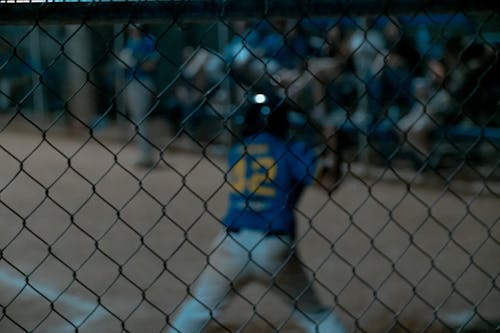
(264, 170)
(254, 176)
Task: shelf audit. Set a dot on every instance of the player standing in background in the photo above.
(267, 174)
(140, 60)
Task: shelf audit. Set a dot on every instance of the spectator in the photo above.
(335, 97)
(246, 39)
(195, 93)
(367, 43)
(239, 51)
(432, 106)
(279, 54)
(433, 102)
(475, 82)
(140, 59)
(189, 90)
(15, 77)
(391, 85)
(337, 94)
(203, 71)
(452, 93)
(286, 45)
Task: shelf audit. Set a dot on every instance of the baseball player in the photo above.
(267, 174)
(140, 59)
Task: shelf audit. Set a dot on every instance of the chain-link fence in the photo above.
(120, 213)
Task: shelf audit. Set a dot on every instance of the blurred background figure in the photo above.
(197, 102)
(454, 90)
(389, 89)
(366, 43)
(15, 77)
(185, 106)
(432, 107)
(140, 59)
(335, 95)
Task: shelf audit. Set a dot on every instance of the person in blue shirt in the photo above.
(267, 174)
(140, 60)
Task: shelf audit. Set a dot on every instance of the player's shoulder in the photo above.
(301, 153)
(298, 147)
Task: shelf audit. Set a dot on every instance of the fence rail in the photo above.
(104, 12)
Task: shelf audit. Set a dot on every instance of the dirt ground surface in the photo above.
(90, 241)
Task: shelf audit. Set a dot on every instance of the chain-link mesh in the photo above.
(116, 121)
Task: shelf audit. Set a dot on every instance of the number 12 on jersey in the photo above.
(254, 175)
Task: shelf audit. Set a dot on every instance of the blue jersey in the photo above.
(267, 176)
(143, 49)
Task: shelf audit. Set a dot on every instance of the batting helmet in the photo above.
(263, 113)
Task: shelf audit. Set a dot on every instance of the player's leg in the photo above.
(273, 261)
(296, 289)
(139, 100)
(225, 270)
(203, 304)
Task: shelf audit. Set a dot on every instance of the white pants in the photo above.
(139, 98)
(250, 256)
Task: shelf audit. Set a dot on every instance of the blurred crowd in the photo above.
(367, 74)
(412, 75)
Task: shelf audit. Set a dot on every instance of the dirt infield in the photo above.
(88, 240)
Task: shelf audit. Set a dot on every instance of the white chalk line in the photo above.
(87, 308)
